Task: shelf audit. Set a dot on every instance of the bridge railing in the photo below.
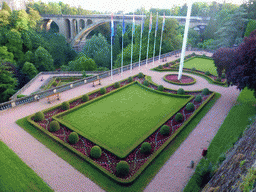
(35, 97)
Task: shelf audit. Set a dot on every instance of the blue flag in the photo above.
(163, 22)
(112, 25)
(123, 26)
(150, 23)
(157, 22)
(142, 24)
(133, 24)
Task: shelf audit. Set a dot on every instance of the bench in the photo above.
(53, 97)
(95, 81)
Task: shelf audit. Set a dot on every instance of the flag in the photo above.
(142, 24)
(150, 23)
(112, 25)
(156, 23)
(133, 24)
(123, 26)
(163, 22)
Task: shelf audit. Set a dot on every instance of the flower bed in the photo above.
(185, 79)
(108, 161)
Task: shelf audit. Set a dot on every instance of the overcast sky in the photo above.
(129, 5)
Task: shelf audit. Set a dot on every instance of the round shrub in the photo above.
(207, 73)
(160, 67)
(205, 91)
(223, 76)
(73, 138)
(190, 107)
(166, 64)
(193, 69)
(122, 168)
(85, 98)
(181, 91)
(198, 98)
(178, 117)
(146, 83)
(54, 84)
(39, 116)
(103, 90)
(140, 75)
(117, 85)
(145, 148)
(218, 79)
(65, 105)
(54, 126)
(160, 88)
(96, 152)
(165, 130)
(130, 79)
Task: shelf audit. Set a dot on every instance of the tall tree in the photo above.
(29, 69)
(6, 7)
(43, 60)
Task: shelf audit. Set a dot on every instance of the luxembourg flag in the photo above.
(163, 22)
(112, 25)
(150, 23)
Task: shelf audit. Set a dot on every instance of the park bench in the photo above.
(96, 81)
(53, 97)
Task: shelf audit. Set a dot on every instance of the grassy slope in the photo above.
(202, 65)
(15, 175)
(232, 127)
(120, 120)
(101, 179)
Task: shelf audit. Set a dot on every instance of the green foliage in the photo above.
(181, 91)
(165, 130)
(73, 138)
(43, 60)
(178, 117)
(160, 88)
(160, 67)
(20, 96)
(198, 98)
(248, 180)
(96, 152)
(221, 158)
(85, 98)
(140, 75)
(166, 64)
(122, 168)
(54, 83)
(82, 63)
(146, 82)
(190, 107)
(193, 69)
(130, 79)
(251, 26)
(145, 148)
(54, 126)
(4, 18)
(6, 7)
(117, 85)
(5, 54)
(39, 116)
(103, 90)
(223, 76)
(207, 73)
(29, 69)
(65, 105)
(242, 163)
(205, 91)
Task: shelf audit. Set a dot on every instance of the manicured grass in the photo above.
(202, 65)
(15, 175)
(229, 132)
(101, 179)
(121, 121)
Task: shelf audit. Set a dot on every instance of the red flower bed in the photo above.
(184, 79)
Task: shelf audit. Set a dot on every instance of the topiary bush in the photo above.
(39, 116)
(65, 105)
(160, 67)
(117, 85)
(181, 91)
(218, 79)
(146, 83)
(223, 76)
(190, 107)
(145, 148)
(166, 64)
(130, 79)
(140, 75)
(193, 69)
(73, 138)
(54, 84)
(103, 90)
(54, 126)
(205, 91)
(198, 98)
(178, 117)
(160, 88)
(207, 73)
(122, 168)
(96, 152)
(165, 130)
(85, 98)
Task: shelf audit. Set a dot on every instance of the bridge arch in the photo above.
(89, 22)
(50, 25)
(81, 25)
(68, 28)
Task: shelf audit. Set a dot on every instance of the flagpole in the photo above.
(161, 37)
(155, 39)
(150, 23)
(141, 39)
(132, 42)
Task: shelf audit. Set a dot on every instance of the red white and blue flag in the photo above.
(150, 23)
(112, 25)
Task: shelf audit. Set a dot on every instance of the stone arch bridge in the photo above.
(76, 27)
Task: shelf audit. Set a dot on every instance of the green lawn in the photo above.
(15, 175)
(202, 65)
(121, 121)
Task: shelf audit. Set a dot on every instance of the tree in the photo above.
(6, 7)
(43, 60)
(82, 63)
(251, 26)
(29, 69)
(5, 55)
(29, 57)
(4, 18)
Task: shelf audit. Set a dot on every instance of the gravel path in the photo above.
(60, 176)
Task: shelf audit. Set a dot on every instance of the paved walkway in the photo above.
(62, 177)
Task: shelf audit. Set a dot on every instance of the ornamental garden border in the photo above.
(177, 83)
(149, 158)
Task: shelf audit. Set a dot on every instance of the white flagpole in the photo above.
(122, 63)
(133, 25)
(150, 23)
(161, 37)
(141, 39)
(185, 39)
(155, 39)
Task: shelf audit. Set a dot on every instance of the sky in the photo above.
(130, 5)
